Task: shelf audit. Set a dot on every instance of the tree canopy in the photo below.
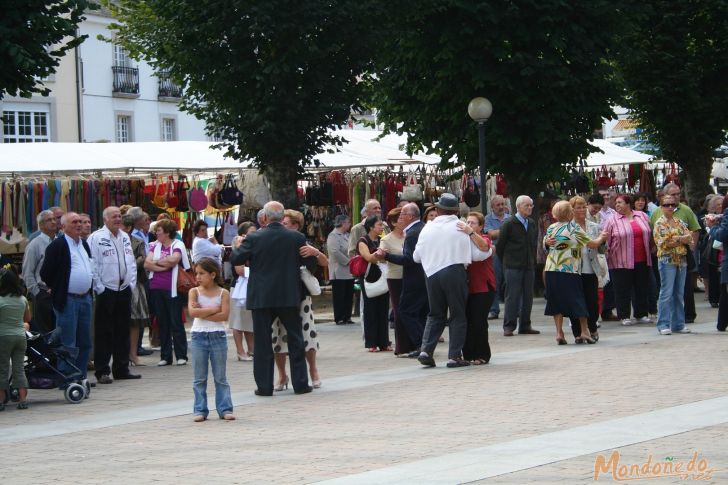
(270, 77)
(674, 62)
(542, 63)
(33, 37)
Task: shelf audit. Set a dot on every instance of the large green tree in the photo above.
(674, 61)
(34, 35)
(542, 64)
(272, 77)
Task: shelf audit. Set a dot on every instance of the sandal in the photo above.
(387, 349)
(22, 405)
(457, 363)
(589, 340)
(595, 336)
(578, 340)
(561, 340)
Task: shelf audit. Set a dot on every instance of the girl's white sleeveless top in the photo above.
(202, 325)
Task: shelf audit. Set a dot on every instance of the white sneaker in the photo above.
(665, 331)
(684, 330)
(181, 361)
(627, 322)
(644, 320)
(162, 363)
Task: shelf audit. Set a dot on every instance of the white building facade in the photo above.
(124, 100)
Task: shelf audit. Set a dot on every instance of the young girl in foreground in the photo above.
(209, 304)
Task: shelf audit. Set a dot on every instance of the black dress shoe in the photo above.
(142, 351)
(128, 376)
(349, 322)
(258, 392)
(426, 359)
(305, 390)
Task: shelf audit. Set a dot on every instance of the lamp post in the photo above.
(480, 110)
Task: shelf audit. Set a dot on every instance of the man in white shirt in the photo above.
(116, 267)
(69, 272)
(444, 251)
(43, 319)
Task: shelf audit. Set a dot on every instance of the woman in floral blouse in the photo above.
(564, 291)
(671, 238)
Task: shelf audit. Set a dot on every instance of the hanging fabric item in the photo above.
(171, 199)
(213, 191)
(230, 229)
(183, 186)
(230, 195)
(198, 199)
(160, 197)
(470, 192)
(672, 177)
(412, 192)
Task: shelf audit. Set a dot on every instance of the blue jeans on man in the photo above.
(74, 325)
(210, 347)
(670, 306)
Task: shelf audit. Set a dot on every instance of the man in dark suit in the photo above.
(517, 251)
(413, 304)
(275, 290)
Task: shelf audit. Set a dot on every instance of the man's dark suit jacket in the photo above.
(56, 269)
(272, 254)
(516, 247)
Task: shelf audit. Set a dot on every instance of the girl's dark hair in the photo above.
(244, 227)
(596, 199)
(197, 225)
(10, 283)
(370, 221)
(209, 265)
(642, 195)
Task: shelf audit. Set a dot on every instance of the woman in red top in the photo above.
(481, 287)
(629, 260)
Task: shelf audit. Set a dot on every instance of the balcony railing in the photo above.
(167, 87)
(126, 79)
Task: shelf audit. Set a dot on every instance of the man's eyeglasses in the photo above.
(672, 206)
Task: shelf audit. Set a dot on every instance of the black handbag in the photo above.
(230, 195)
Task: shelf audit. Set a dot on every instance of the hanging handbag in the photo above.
(185, 281)
(471, 194)
(412, 192)
(213, 190)
(357, 266)
(310, 281)
(230, 229)
(160, 197)
(379, 286)
(198, 199)
(230, 195)
(239, 293)
(171, 199)
(183, 204)
(219, 231)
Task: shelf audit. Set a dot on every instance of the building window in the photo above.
(25, 127)
(169, 129)
(123, 128)
(126, 76)
(121, 57)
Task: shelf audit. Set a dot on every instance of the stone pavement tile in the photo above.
(709, 443)
(324, 435)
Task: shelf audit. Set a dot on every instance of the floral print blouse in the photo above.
(565, 255)
(666, 231)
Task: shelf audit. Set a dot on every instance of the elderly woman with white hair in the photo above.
(342, 282)
(564, 289)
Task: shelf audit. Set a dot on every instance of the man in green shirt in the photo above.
(684, 213)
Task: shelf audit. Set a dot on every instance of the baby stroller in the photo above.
(42, 355)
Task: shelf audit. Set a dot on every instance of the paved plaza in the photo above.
(538, 413)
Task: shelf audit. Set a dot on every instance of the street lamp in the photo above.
(480, 110)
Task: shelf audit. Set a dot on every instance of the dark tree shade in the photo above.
(34, 34)
(674, 61)
(271, 77)
(542, 63)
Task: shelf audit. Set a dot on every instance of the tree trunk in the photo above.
(697, 180)
(283, 178)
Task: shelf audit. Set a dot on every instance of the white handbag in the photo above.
(310, 281)
(239, 293)
(378, 287)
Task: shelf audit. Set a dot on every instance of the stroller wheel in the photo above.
(75, 393)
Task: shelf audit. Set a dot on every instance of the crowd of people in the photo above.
(418, 271)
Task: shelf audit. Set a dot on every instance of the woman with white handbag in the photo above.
(374, 291)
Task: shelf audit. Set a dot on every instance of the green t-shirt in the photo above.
(683, 213)
(12, 309)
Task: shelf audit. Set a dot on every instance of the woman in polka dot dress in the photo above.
(293, 220)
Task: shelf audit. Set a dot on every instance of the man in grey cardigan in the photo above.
(517, 251)
(43, 318)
